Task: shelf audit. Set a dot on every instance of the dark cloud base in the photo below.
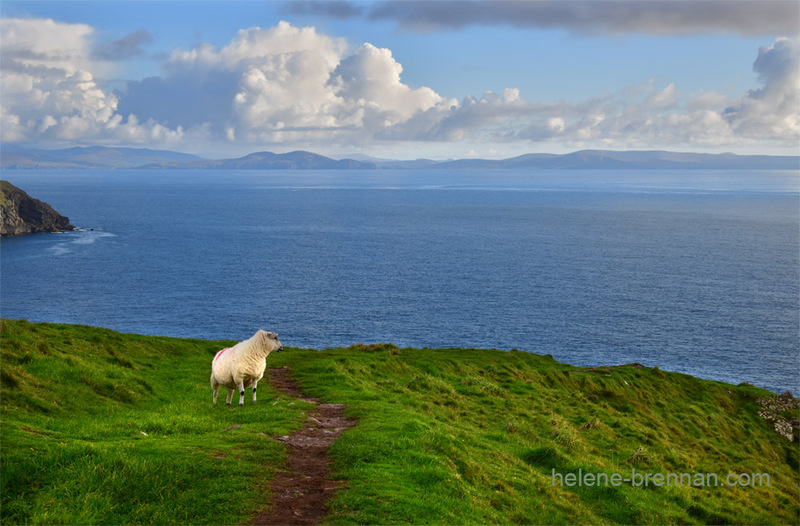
(655, 17)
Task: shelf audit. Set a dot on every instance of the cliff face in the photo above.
(21, 214)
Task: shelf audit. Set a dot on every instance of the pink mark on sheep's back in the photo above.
(220, 354)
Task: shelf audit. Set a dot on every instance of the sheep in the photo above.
(243, 364)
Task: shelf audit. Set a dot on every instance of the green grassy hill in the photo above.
(106, 428)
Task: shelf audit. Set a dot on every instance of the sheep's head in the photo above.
(277, 346)
(268, 341)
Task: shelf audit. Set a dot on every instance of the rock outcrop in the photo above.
(21, 214)
(776, 404)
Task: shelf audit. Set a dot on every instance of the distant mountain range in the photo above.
(641, 160)
(87, 158)
(99, 157)
(270, 161)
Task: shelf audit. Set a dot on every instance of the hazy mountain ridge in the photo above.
(605, 159)
(298, 160)
(99, 157)
(91, 157)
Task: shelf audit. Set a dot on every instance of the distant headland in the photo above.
(22, 214)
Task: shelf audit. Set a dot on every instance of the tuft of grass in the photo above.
(640, 456)
(592, 423)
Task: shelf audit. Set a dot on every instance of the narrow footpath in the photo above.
(301, 492)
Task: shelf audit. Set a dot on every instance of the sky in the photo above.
(402, 79)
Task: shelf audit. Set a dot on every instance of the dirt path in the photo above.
(300, 494)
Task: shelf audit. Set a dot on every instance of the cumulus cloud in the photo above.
(46, 85)
(49, 89)
(37, 42)
(471, 118)
(369, 83)
(774, 110)
(280, 84)
(646, 116)
(656, 17)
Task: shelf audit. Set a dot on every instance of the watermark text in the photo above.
(643, 478)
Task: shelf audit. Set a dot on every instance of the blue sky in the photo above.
(402, 79)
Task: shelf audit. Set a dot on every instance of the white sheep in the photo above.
(243, 364)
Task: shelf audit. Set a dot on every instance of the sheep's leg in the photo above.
(215, 386)
(230, 396)
(254, 390)
(240, 385)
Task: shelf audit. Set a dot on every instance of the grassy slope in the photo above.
(105, 428)
(468, 436)
(445, 436)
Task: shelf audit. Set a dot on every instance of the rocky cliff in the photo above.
(21, 214)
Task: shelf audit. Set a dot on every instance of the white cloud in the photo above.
(294, 87)
(45, 81)
(646, 117)
(49, 91)
(556, 124)
(46, 43)
(450, 120)
(279, 85)
(665, 99)
(281, 78)
(369, 80)
(772, 112)
(707, 100)
(640, 117)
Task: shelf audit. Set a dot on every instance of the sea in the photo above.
(692, 271)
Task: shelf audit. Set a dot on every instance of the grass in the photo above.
(473, 436)
(100, 427)
(105, 428)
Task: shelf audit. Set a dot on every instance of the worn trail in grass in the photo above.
(300, 492)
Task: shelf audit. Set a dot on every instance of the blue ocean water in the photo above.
(696, 272)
